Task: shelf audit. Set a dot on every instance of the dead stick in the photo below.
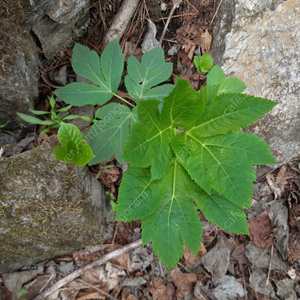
(212, 20)
(96, 263)
(176, 3)
(268, 278)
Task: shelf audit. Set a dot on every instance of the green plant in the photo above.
(204, 64)
(101, 169)
(110, 194)
(185, 147)
(108, 136)
(73, 149)
(23, 291)
(57, 117)
(3, 125)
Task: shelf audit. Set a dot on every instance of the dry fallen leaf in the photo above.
(91, 296)
(239, 254)
(185, 59)
(294, 210)
(84, 257)
(260, 229)
(189, 257)
(159, 290)
(128, 296)
(216, 260)
(124, 262)
(109, 176)
(48, 142)
(69, 294)
(294, 236)
(205, 43)
(274, 186)
(33, 288)
(280, 178)
(185, 282)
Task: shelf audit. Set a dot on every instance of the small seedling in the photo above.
(113, 207)
(204, 64)
(57, 117)
(101, 169)
(73, 148)
(3, 125)
(110, 194)
(112, 202)
(23, 291)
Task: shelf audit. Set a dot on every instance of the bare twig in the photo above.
(212, 20)
(88, 267)
(193, 6)
(147, 12)
(268, 278)
(176, 3)
(46, 283)
(260, 257)
(179, 16)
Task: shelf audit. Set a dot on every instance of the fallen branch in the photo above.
(88, 267)
(121, 21)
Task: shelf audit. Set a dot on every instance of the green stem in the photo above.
(127, 102)
(177, 131)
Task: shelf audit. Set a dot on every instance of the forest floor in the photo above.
(263, 265)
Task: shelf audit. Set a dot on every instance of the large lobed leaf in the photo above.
(192, 152)
(142, 77)
(216, 76)
(108, 135)
(226, 161)
(148, 142)
(183, 106)
(105, 73)
(175, 220)
(143, 194)
(168, 213)
(229, 112)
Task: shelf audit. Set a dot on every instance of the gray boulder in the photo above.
(56, 24)
(61, 26)
(48, 208)
(257, 42)
(19, 62)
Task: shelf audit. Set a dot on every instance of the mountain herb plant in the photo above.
(185, 148)
(57, 117)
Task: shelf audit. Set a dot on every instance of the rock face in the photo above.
(19, 62)
(61, 26)
(257, 42)
(56, 24)
(48, 208)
